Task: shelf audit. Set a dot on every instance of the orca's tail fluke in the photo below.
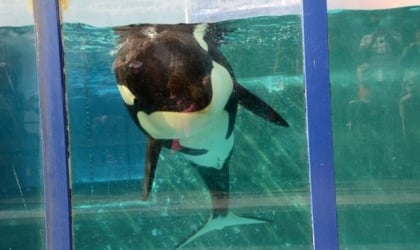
(257, 106)
(217, 181)
(218, 223)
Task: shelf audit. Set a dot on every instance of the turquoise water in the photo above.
(21, 209)
(374, 63)
(108, 150)
(95, 103)
(376, 162)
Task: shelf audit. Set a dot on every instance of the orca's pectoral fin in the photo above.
(218, 223)
(257, 106)
(152, 156)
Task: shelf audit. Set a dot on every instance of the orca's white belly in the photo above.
(196, 130)
(213, 139)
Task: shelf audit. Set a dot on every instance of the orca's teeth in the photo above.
(218, 223)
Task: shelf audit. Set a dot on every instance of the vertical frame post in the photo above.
(53, 125)
(319, 129)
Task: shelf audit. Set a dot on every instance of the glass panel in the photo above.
(21, 204)
(268, 167)
(375, 100)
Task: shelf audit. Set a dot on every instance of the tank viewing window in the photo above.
(185, 81)
(375, 86)
(209, 125)
(22, 212)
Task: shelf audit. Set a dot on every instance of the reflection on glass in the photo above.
(21, 212)
(375, 83)
(268, 166)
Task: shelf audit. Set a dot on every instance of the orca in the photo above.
(182, 93)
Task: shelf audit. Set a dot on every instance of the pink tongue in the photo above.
(191, 108)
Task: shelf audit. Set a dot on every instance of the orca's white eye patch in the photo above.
(199, 32)
(126, 94)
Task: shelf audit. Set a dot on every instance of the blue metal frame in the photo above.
(54, 134)
(53, 125)
(319, 130)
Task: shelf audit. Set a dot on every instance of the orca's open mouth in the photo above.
(186, 107)
(188, 97)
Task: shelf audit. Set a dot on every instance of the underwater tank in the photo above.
(22, 212)
(375, 90)
(374, 83)
(107, 170)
